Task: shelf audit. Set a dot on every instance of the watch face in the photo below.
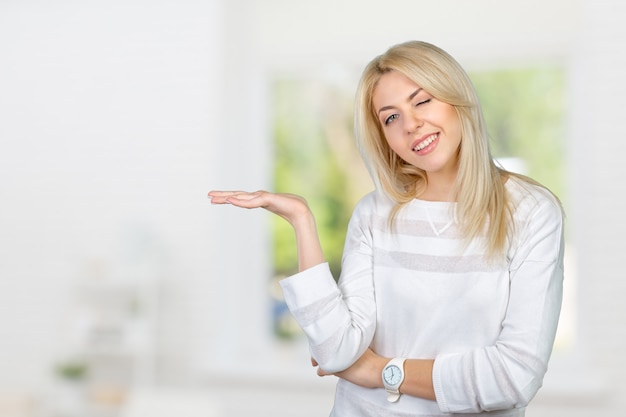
(392, 375)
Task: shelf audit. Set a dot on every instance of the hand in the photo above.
(366, 371)
(288, 206)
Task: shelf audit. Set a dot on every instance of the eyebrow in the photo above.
(411, 97)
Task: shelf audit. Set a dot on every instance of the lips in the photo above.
(424, 142)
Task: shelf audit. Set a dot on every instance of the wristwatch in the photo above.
(393, 375)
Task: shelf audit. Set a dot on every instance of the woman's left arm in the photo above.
(508, 373)
(367, 371)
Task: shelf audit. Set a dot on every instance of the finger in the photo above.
(224, 197)
(247, 200)
(223, 194)
(246, 196)
(236, 194)
(219, 197)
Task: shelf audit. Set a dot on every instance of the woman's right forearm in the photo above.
(308, 243)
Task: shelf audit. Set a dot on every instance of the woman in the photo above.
(452, 272)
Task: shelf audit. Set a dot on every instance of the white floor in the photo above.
(258, 400)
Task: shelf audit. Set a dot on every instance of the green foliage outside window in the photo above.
(315, 157)
(524, 114)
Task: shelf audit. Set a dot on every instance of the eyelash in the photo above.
(395, 116)
(390, 119)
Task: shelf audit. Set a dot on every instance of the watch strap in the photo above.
(393, 392)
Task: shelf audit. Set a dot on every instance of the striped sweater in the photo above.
(418, 291)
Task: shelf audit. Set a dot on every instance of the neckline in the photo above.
(434, 204)
(438, 231)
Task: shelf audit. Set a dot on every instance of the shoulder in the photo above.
(538, 223)
(372, 211)
(528, 198)
(374, 202)
(526, 193)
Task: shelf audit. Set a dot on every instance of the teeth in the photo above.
(425, 143)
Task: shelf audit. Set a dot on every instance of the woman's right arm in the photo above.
(339, 320)
(294, 209)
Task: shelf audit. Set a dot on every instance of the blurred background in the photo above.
(123, 292)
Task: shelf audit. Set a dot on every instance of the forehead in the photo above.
(392, 87)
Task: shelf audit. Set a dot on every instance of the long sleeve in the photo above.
(338, 320)
(509, 373)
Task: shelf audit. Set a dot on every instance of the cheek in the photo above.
(384, 143)
(459, 131)
(453, 125)
(393, 142)
(393, 135)
(455, 121)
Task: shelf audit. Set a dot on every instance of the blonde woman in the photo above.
(451, 283)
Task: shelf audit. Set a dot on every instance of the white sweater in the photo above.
(419, 293)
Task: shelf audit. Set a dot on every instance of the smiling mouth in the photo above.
(425, 142)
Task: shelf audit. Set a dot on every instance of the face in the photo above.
(420, 129)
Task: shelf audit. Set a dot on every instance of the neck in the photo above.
(439, 188)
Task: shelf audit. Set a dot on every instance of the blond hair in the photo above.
(482, 207)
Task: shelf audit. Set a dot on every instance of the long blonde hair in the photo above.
(482, 204)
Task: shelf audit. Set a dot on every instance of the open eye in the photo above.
(391, 119)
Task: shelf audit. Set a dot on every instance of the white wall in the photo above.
(108, 114)
(297, 35)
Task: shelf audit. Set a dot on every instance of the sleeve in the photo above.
(338, 319)
(509, 373)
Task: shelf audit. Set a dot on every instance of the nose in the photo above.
(412, 123)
